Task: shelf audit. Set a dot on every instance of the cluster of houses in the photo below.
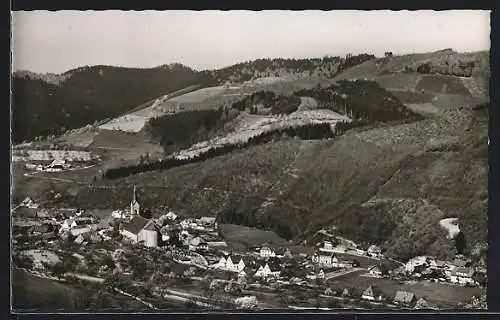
(457, 271)
(196, 234)
(56, 165)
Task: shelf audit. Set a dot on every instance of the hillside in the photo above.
(89, 95)
(50, 104)
(414, 153)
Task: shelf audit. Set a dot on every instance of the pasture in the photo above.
(241, 237)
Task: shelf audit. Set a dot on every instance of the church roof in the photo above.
(136, 224)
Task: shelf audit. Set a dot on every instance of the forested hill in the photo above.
(50, 104)
(90, 94)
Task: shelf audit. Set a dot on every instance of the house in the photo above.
(171, 216)
(207, 221)
(346, 292)
(197, 243)
(422, 304)
(79, 240)
(327, 245)
(374, 251)
(462, 275)
(75, 232)
(328, 260)
(372, 293)
(140, 230)
(266, 271)
(266, 252)
(226, 263)
(42, 229)
(42, 214)
(375, 271)
(437, 264)
(167, 231)
(321, 274)
(134, 205)
(416, 264)
(404, 297)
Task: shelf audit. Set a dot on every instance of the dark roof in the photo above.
(41, 229)
(136, 224)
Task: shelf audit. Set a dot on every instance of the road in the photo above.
(337, 274)
(48, 178)
(85, 277)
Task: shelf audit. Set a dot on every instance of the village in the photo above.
(98, 245)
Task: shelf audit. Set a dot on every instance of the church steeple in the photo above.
(134, 205)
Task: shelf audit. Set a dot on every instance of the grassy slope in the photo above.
(52, 295)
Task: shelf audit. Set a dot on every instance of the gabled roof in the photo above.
(372, 291)
(404, 296)
(136, 224)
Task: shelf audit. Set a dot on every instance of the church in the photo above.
(134, 205)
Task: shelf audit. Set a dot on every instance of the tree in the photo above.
(460, 243)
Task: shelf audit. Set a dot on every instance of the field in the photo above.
(51, 295)
(49, 155)
(242, 237)
(443, 295)
(442, 84)
(248, 126)
(423, 108)
(413, 96)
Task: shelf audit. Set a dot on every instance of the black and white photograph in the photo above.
(215, 161)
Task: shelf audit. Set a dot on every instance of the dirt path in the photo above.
(48, 178)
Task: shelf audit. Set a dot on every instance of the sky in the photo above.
(47, 41)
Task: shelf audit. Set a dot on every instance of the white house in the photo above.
(171, 215)
(266, 252)
(371, 293)
(327, 260)
(462, 275)
(228, 264)
(374, 251)
(207, 221)
(415, 263)
(265, 271)
(375, 271)
(80, 231)
(327, 245)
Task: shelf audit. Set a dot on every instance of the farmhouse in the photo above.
(80, 231)
(328, 260)
(374, 251)
(462, 276)
(266, 271)
(372, 293)
(404, 297)
(416, 264)
(375, 271)
(141, 230)
(197, 243)
(226, 263)
(171, 215)
(207, 221)
(266, 252)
